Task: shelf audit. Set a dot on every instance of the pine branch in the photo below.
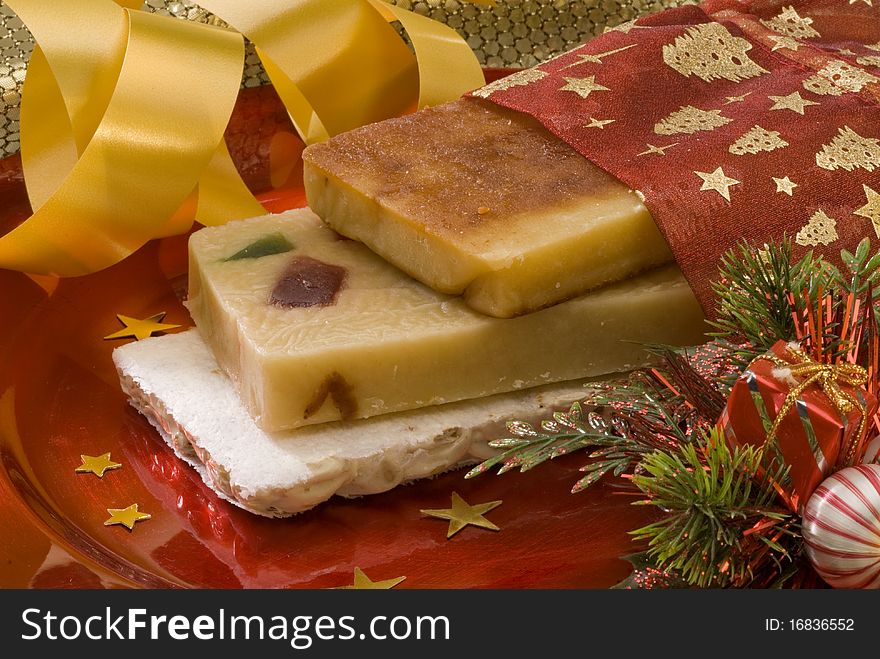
(722, 526)
(761, 291)
(863, 271)
(704, 393)
(764, 297)
(621, 422)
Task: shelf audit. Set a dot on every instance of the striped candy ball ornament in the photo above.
(841, 528)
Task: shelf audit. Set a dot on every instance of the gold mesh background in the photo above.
(511, 33)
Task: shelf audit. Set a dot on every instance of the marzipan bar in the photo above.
(474, 199)
(312, 327)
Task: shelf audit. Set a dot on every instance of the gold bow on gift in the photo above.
(123, 112)
(829, 378)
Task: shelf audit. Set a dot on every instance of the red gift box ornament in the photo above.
(811, 417)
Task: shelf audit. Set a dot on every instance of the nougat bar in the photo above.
(478, 200)
(174, 381)
(312, 327)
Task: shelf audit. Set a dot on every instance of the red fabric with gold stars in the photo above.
(733, 119)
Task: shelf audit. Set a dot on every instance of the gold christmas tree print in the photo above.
(838, 77)
(869, 60)
(518, 79)
(756, 140)
(792, 24)
(850, 151)
(710, 52)
(688, 119)
(819, 230)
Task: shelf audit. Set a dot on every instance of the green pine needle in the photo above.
(711, 495)
(761, 291)
(753, 294)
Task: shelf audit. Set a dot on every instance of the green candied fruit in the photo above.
(266, 246)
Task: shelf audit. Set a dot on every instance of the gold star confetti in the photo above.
(596, 59)
(363, 582)
(784, 185)
(793, 102)
(717, 181)
(599, 123)
(126, 517)
(659, 150)
(96, 464)
(140, 329)
(735, 99)
(871, 210)
(462, 513)
(583, 87)
(782, 41)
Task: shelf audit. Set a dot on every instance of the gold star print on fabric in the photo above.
(462, 513)
(126, 517)
(659, 150)
(599, 123)
(793, 102)
(363, 582)
(717, 181)
(785, 185)
(583, 87)
(140, 329)
(784, 42)
(96, 464)
(596, 59)
(871, 210)
(735, 99)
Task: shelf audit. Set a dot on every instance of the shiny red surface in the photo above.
(59, 398)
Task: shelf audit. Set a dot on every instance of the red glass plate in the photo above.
(59, 398)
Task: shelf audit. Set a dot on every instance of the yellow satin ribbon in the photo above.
(132, 124)
(439, 49)
(124, 112)
(828, 377)
(339, 65)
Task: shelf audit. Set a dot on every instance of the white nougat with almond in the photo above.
(175, 383)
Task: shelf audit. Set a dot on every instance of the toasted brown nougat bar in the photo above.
(470, 198)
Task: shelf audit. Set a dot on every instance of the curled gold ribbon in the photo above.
(143, 133)
(336, 65)
(124, 111)
(828, 377)
(340, 65)
(439, 49)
